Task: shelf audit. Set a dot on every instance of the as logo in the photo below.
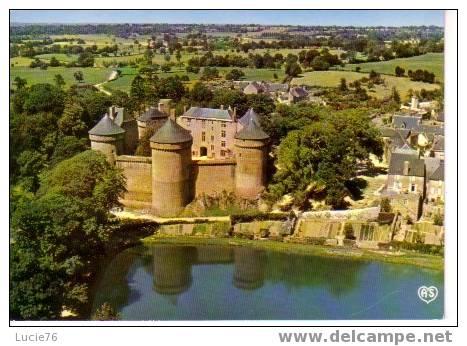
(427, 294)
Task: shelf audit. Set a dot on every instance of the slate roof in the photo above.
(416, 165)
(252, 131)
(439, 173)
(253, 87)
(106, 127)
(153, 113)
(208, 113)
(431, 129)
(171, 133)
(406, 121)
(298, 92)
(431, 165)
(406, 149)
(250, 114)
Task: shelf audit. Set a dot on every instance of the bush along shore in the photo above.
(275, 234)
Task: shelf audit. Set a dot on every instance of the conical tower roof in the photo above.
(171, 133)
(106, 127)
(153, 113)
(252, 131)
(250, 114)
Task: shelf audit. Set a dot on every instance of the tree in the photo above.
(43, 98)
(19, 82)
(54, 62)
(343, 85)
(319, 63)
(71, 122)
(78, 76)
(148, 55)
(105, 313)
(209, 73)
(395, 95)
(165, 68)
(399, 71)
(385, 205)
(59, 81)
(200, 94)
(178, 56)
(234, 74)
(292, 69)
(322, 158)
(60, 234)
(85, 59)
(66, 147)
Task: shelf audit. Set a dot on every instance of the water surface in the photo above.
(174, 282)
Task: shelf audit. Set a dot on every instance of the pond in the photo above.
(210, 282)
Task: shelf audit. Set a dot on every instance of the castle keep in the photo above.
(204, 151)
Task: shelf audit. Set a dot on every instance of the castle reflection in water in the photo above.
(172, 266)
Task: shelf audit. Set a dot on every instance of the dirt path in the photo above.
(99, 86)
(126, 214)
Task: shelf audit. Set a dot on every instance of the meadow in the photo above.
(332, 79)
(433, 62)
(92, 75)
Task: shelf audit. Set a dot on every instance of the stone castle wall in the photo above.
(214, 176)
(208, 177)
(137, 170)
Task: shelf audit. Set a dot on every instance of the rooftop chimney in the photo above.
(222, 106)
(172, 115)
(234, 114)
(406, 167)
(184, 109)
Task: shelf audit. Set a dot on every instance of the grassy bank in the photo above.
(406, 258)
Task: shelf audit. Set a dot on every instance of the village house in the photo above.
(425, 108)
(295, 94)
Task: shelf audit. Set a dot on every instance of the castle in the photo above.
(204, 151)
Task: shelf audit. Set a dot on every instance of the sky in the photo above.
(285, 17)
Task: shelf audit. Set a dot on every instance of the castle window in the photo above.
(203, 123)
(203, 136)
(413, 187)
(222, 152)
(223, 124)
(212, 147)
(222, 133)
(212, 138)
(223, 144)
(188, 120)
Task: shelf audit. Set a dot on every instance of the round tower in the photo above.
(107, 137)
(251, 149)
(153, 117)
(171, 169)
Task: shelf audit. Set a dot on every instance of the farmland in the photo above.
(332, 79)
(92, 75)
(433, 62)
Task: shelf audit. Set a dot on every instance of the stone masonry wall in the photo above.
(137, 170)
(213, 176)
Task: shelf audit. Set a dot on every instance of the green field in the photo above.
(332, 79)
(59, 56)
(92, 75)
(433, 62)
(20, 61)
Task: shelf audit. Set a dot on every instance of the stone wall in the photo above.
(137, 170)
(214, 176)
